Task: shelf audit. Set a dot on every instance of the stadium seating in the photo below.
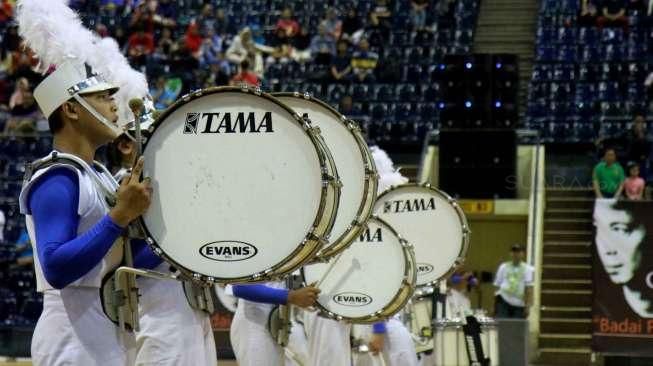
(586, 80)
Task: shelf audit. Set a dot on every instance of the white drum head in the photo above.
(365, 278)
(432, 222)
(351, 156)
(237, 184)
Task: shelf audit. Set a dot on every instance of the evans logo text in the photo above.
(424, 268)
(228, 251)
(352, 299)
(417, 204)
(241, 122)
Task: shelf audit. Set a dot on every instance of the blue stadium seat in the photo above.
(384, 93)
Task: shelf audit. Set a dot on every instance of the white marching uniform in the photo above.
(72, 329)
(328, 341)
(171, 332)
(398, 347)
(250, 338)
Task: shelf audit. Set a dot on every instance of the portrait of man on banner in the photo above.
(623, 275)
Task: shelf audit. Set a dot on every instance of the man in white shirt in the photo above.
(514, 283)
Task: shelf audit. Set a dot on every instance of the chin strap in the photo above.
(98, 116)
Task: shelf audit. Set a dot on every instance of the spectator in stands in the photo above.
(352, 27)
(165, 44)
(376, 34)
(193, 39)
(245, 76)
(634, 185)
(206, 19)
(218, 74)
(167, 9)
(323, 46)
(120, 36)
(6, 11)
(287, 24)
(382, 13)
(637, 145)
(243, 48)
(613, 14)
(10, 41)
(363, 62)
(588, 13)
(418, 14)
(301, 46)
(142, 18)
(140, 45)
(162, 94)
(222, 24)
(332, 23)
(514, 286)
(608, 176)
(211, 48)
(341, 64)
(18, 97)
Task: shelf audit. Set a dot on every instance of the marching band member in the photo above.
(73, 230)
(162, 305)
(390, 338)
(250, 338)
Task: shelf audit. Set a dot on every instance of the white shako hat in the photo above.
(70, 79)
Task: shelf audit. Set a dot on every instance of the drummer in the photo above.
(251, 340)
(162, 306)
(74, 232)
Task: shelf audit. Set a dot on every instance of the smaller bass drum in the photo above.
(372, 280)
(432, 222)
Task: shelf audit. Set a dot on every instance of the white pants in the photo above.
(398, 348)
(328, 341)
(250, 339)
(297, 349)
(171, 332)
(73, 330)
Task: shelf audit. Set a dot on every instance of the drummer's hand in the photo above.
(376, 343)
(133, 197)
(303, 297)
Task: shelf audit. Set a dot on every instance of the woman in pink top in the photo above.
(634, 184)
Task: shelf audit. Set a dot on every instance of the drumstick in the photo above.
(329, 269)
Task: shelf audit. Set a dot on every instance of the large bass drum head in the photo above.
(237, 184)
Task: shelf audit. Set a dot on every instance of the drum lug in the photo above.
(307, 95)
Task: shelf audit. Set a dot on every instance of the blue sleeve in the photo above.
(143, 256)
(378, 328)
(64, 256)
(261, 293)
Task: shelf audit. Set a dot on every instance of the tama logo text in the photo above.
(414, 205)
(352, 299)
(228, 251)
(424, 268)
(371, 236)
(241, 122)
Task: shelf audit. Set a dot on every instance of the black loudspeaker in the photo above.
(478, 163)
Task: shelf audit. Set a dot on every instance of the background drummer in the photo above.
(251, 340)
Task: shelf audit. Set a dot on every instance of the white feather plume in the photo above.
(388, 175)
(55, 33)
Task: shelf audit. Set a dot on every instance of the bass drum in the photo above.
(432, 222)
(355, 165)
(226, 164)
(372, 280)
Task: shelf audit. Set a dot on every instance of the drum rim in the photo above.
(464, 248)
(398, 301)
(370, 187)
(301, 247)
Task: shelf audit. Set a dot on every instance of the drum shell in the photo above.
(340, 241)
